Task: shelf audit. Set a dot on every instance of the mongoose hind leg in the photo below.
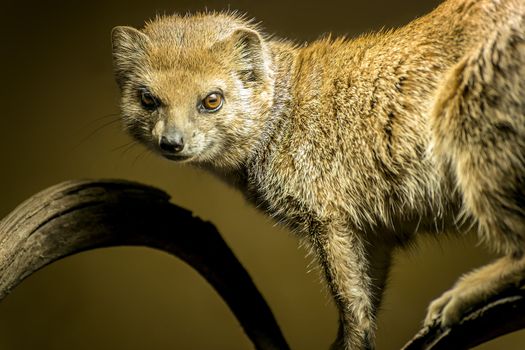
(478, 126)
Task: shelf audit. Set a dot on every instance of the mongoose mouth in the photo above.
(176, 157)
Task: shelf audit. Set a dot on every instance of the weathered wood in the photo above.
(77, 216)
(499, 316)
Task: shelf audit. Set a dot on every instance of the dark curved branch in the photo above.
(77, 216)
(502, 315)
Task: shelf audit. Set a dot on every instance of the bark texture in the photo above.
(76, 216)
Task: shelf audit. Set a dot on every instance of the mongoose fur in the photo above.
(356, 145)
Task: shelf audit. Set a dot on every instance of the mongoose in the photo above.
(357, 145)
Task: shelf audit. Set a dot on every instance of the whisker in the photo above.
(110, 115)
(127, 144)
(93, 132)
(128, 148)
(139, 156)
(103, 126)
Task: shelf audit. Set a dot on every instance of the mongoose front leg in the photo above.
(355, 283)
(475, 288)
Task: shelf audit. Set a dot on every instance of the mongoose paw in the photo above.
(474, 289)
(448, 308)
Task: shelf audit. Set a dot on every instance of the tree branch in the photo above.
(77, 216)
(499, 316)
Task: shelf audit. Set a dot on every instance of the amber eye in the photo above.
(147, 100)
(212, 102)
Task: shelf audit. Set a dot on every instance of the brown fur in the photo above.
(356, 145)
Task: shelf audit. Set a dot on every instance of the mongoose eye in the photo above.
(147, 99)
(212, 102)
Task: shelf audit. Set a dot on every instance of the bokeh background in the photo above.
(59, 120)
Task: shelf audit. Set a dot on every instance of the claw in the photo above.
(435, 309)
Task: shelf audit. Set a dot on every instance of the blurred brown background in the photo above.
(59, 121)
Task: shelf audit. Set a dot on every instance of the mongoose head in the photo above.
(195, 88)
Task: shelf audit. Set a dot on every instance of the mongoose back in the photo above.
(356, 145)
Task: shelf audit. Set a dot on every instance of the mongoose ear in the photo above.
(128, 45)
(251, 53)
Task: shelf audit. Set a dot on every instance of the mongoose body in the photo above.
(356, 145)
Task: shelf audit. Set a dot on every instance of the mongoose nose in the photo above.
(172, 144)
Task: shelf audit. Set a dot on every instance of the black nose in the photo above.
(172, 143)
